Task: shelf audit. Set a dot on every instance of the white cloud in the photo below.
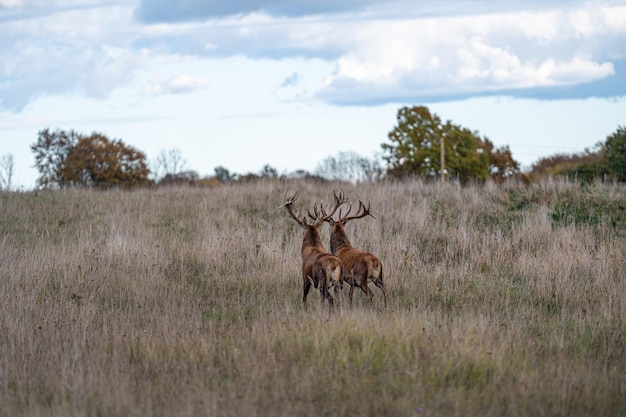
(46, 4)
(475, 54)
(185, 83)
(179, 84)
(75, 51)
(10, 4)
(408, 54)
(571, 72)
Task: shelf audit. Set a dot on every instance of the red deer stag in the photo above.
(359, 267)
(319, 268)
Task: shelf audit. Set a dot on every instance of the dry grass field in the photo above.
(187, 302)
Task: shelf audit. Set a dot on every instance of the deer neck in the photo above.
(338, 238)
(311, 239)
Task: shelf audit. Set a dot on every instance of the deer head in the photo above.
(311, 232)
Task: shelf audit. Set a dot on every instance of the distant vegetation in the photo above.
(183, 301)
(414, 150)
(71, 159)
(417, 143)
(606, 161)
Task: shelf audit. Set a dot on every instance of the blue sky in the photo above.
(254, 82)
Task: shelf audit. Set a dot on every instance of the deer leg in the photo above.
(361, 282)
(329, 297)
(338, 296)
(305, 289)
(379, 284)
(350, 293)
(367, 291)
(323, 286)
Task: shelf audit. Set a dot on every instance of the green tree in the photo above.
(224, 175)
(415, 149)
(51, 151)
(415, 141)
(615, 154)
(465, 156)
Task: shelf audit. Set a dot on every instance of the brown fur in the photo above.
(319, 268)
(359, 267)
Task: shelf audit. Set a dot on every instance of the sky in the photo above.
(244, 84)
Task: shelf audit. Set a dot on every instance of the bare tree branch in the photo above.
(7, 163)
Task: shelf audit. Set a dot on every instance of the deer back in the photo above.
(355, 261)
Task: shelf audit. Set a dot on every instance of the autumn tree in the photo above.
(502, 166)
(74, 160)
(96, 161)
(415, 149)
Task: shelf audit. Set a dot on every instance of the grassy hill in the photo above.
(187, 302)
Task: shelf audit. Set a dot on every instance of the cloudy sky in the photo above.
(241, 84)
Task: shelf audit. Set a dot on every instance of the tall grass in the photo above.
(187, 302)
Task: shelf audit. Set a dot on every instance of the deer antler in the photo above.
(339, 200)
(361, 212)
(316, 212)
(320, 215)
(289, 200)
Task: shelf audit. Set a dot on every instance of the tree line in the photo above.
(415, 148)
(71, 159)
(607, 160)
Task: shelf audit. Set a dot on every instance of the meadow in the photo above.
(503, 301)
